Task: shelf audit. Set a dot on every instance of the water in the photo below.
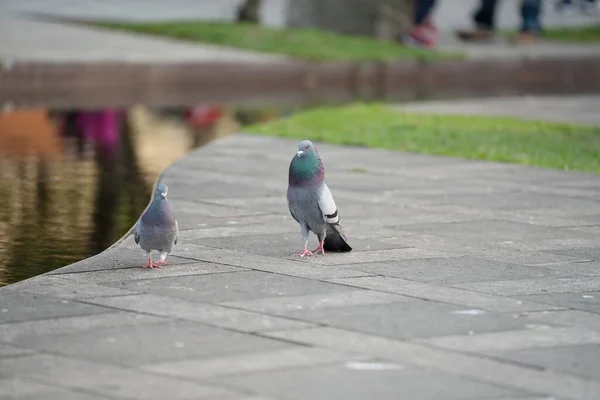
(72, 183)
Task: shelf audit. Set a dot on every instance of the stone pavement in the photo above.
(575, 109)
(34, 40)
(468, 280)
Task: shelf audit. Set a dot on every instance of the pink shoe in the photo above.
(421, 36)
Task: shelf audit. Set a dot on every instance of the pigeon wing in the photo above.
(327, 206)
(136, 234)
(176, 232)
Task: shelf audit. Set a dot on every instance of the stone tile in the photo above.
(220, 190)
(149, 343)
(586, 301)
(411, 319)
(125, 255)
(516, 201)
(534, 286)
(19, 389)
(578, 360)
(250, 363)
(482, 369)
(360, 257)
(344, 381)
(55, 326)
(11, 351)
(404, 217)
(521, 398)
(451, 270)
(218, 288)
(426, 291)
(199, 236)
(533, 244)
(468, 246)
(368, 182)
(574, 269)
(272, 244)
(581, 319)
(284, 244)
(531, 258)
(251, 397)
(292, 266)
(260, 203)
(495, 231)
(210, 314)
(197, 207)
(101, 379)
(59, 287)
(129, 274)
(593, 230)
(15, 307)
(284, 305)
(538, 336)
(592, 254)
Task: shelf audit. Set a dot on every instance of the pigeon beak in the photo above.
(299, 153)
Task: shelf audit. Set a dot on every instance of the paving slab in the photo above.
(349, 381)
(28, 39)
(447, 294)
(569, 109)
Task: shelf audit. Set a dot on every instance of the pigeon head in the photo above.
(306, 166)
(306, 147)
(161, 190)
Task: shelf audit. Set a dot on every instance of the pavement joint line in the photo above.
(257, 333)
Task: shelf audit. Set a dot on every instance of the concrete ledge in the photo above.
(92, 85)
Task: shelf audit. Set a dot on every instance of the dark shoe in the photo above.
(477, 34)
(525, 38)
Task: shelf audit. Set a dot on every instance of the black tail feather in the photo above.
(335, 239)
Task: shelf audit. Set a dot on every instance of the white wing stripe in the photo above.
(327, 206)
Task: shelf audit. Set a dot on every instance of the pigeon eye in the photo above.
(306, 147)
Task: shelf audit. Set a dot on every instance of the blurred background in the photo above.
(80, 152)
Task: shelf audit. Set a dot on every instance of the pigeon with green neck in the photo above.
(311, 203)
(157, 229)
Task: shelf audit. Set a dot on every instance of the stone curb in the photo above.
(123, 84)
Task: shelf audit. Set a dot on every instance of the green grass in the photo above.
(542, 144)
(307, 44)
(589, 34)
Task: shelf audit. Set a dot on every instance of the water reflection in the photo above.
(73, 182)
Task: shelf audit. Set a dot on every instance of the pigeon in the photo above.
(157, 229)
(311, 204)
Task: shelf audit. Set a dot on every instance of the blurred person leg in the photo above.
(531, 26)
(588, 6)
(484, 19)
(424, 33)
(563, 6)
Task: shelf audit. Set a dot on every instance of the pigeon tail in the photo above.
(335, 239)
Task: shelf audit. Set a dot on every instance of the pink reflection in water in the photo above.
(101, 126)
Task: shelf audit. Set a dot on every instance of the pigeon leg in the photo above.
(162, 261)
(150, 263)
(304, 231)
(305, 252)
(320, 248)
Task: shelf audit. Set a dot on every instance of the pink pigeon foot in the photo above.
(161, 262)
(320, 248)
(305, 252)
(151, 264)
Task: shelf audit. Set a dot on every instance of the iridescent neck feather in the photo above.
(306, 170)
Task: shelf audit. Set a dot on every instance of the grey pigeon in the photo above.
(311, 204)
(157, 229)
